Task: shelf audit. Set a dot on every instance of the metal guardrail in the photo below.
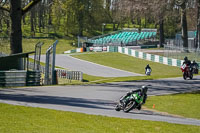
(19, 78)
(33, 78)
(61, 73)
(13, 78)
(71, 75)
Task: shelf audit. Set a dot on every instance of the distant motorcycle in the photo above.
(195, 69)
(186, 72)
(148, 72)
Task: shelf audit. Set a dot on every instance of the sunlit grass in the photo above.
(131, 64)
(18, 119)
(186, 105)
(29, 45)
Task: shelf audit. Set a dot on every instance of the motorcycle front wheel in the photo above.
(117, 107)
(129, 106)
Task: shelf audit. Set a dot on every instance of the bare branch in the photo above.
(3, 2)
(4, 9)
(29, 6)
(180, 2)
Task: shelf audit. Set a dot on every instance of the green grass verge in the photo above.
(186, 105)
(18, 119)
(128, 63)
(29, 45)
(131, 64)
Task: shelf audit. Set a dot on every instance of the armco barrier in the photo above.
(112, 49)
(19, 78)
(33, 78)
(146, 56)
(71, 75)
(142, 55)
(13, 78)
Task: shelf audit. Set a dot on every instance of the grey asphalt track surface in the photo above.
(68, 62)
(100, 99)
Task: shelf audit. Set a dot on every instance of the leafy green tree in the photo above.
(198, 24)
(77, 16)
(182, 5)
(16, 12)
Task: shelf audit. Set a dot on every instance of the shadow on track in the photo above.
(68, 101)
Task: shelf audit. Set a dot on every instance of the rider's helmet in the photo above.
(144, 89)
(194, 61)
(185, 59)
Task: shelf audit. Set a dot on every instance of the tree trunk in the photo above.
(49, 13)
(1, 26)
(117, 26)
(184, 26)
(24, 17)
(198, 25)
(114, 26)
(108, 4)
(80, 20)
(8, 26)
(161, 28)
(145, 21)
(139, 23)
(16, 32)
(32, 22)
(40, 16)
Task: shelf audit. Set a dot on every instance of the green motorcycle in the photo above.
(130, 102)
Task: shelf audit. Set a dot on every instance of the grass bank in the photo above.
(18, 119)
(131, 64)
(29, 45)
(186, 104)
(127, 63)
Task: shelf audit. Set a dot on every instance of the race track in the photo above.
(100, 99)
(68, 62)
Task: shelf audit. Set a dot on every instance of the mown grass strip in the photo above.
(29, 45)
(186, 104)
(18, 119)
(131, 64)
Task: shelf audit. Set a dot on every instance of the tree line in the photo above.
(86, 17)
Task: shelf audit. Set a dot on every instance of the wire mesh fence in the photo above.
(50, 65)
(37, 55)
(179, 52)
(61, 73)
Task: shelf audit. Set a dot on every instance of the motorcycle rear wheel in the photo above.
(129, 106)
(184, 76)
(191, 76)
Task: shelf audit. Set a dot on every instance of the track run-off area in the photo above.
(99, 99)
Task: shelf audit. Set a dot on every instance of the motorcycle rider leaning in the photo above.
(142, 92)
(188, 63)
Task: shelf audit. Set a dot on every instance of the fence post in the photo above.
(37, 55)
(50, 79)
